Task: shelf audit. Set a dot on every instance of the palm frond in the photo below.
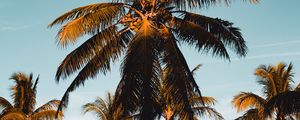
(51, 105)
(203, 40)
(95, 108)
(103, 15)
(5, 104)
(79, 12)
(13, 115)
(23, 93)
(84, 53)
(179, 79)
(207, 101)
(208, 111)
(246, 100)
(48, 114)
(222, 29)
(251, 114)
(196, 68)
(138, 88)
(287, 102)
(99, 63)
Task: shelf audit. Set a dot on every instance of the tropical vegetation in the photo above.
(24, 101)
(279, 100)
(147, 33)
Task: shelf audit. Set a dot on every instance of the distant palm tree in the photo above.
(201, 105)
(104, 108)
(148, 33)
(276, 82)
(24, 101)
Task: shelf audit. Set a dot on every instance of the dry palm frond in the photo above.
(245, 100)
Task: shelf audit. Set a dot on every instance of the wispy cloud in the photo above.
(14, 28)
(254, 57)
(277, 44)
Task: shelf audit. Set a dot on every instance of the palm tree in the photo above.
(200, 104)
(276, 82)
(104, 108)
(24, 100)
(147, 33)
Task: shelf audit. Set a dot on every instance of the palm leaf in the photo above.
(51, 105)
(196, 68)
(222, 29)
(208, 111)
(47, 114)
(92, 21)
(194, 34)
(84, 53)
(5, 104)
(138, 88)
(100, 62)
(251, 114)
(13, 115)
(287, 102)
(179, 80)
(245, 100)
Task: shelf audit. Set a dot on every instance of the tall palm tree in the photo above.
(276, 82)
(147, 33)
(24, 101)
(201, 105)
(104, 108)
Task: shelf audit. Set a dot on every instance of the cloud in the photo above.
(277, 44)
(14, 28)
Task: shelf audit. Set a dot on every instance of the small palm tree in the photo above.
(24, 100)
(201, 105)
(276, 82)
(147, 32)
(104, 108)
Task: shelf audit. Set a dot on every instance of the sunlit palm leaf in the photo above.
(47, 114)
(91, 22)
(15, 115)
(81, 55)
(246, 100)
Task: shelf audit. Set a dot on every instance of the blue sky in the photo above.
(270, 28)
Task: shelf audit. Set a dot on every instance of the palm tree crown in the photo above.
(147, 33)
(24, 101)
(276, 82)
